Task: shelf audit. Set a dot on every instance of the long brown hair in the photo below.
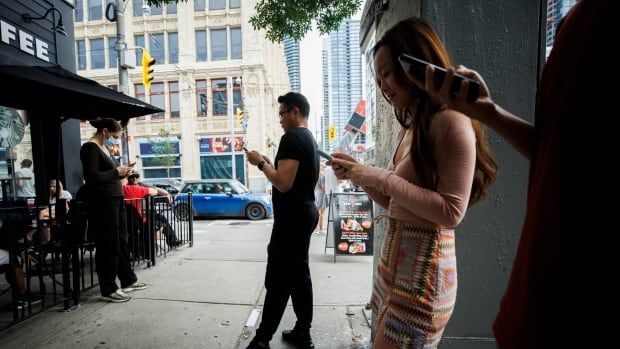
(416, 37)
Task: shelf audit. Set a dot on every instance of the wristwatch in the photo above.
(261, 164)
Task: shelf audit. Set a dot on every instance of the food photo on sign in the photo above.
(352, 224)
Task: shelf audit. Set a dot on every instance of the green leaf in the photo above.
(293, 18)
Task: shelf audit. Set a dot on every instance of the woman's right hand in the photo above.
(124, 171)
(482, 109)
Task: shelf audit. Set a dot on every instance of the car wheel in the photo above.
(255, 212)
(182, 212)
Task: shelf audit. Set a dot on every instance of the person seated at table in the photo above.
(134, 194)
(44, 214)
(13, 270)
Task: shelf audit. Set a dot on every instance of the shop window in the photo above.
(220, 167)
(160, 157)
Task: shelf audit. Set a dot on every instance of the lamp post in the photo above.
(231, 112)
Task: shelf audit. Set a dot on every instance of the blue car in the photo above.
(221, 198)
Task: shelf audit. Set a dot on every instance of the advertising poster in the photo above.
(216, 145)
(352, 224)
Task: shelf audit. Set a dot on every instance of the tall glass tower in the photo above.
(344, 70)
(556, 10)
(291, 51)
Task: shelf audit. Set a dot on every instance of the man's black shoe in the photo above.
(254, 345)
(298, 339)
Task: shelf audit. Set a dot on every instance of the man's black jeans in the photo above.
(288, 274)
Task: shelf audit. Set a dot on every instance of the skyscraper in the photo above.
(291, 51)
(344, 70)
(325, 117)
(556, 10)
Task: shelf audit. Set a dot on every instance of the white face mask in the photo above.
(110, 142)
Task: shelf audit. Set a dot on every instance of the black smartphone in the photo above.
(418, 68)
(324, 154)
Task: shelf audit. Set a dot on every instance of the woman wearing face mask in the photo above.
(106, 211)
(441, 166)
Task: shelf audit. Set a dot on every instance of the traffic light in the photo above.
(147, 69)
(331, 133)
(239, 117)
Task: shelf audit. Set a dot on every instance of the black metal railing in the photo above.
(52, 260)
(38, 264)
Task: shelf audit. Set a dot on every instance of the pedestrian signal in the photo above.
(147, 69)
(331, 133)
(239, 116)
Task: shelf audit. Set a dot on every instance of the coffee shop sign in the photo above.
(25, 41)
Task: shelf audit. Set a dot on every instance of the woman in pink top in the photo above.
(441, 166)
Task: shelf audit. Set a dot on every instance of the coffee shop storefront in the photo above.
(41, 98)
(37, 61)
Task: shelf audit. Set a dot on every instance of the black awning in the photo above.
(57, 91)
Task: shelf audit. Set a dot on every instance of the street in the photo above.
(203, 297)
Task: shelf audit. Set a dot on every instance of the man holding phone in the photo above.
(294, 175)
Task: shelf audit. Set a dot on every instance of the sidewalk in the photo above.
(202, 297)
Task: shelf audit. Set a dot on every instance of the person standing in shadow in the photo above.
(559, 293)
(107, 213)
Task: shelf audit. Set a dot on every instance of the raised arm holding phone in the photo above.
(566, 232)
(441, 166)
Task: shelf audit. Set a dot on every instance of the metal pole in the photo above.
(232, 127)
(123, 77)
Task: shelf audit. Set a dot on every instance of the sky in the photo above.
(311, 72)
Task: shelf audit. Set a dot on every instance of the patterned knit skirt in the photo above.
(415, 286)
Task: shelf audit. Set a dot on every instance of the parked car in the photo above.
(172, 186)
(222, 198)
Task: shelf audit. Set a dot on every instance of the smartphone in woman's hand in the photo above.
(417, 68)
(324, 154)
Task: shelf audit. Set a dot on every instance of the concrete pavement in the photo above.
(202, 297)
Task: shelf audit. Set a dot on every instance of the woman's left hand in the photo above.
(348, 169)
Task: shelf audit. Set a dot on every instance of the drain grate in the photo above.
(238, 223)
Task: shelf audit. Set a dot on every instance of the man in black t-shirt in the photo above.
(294, 175)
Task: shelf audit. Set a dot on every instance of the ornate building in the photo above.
(213, 71)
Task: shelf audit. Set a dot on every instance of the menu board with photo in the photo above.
(352, 224)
